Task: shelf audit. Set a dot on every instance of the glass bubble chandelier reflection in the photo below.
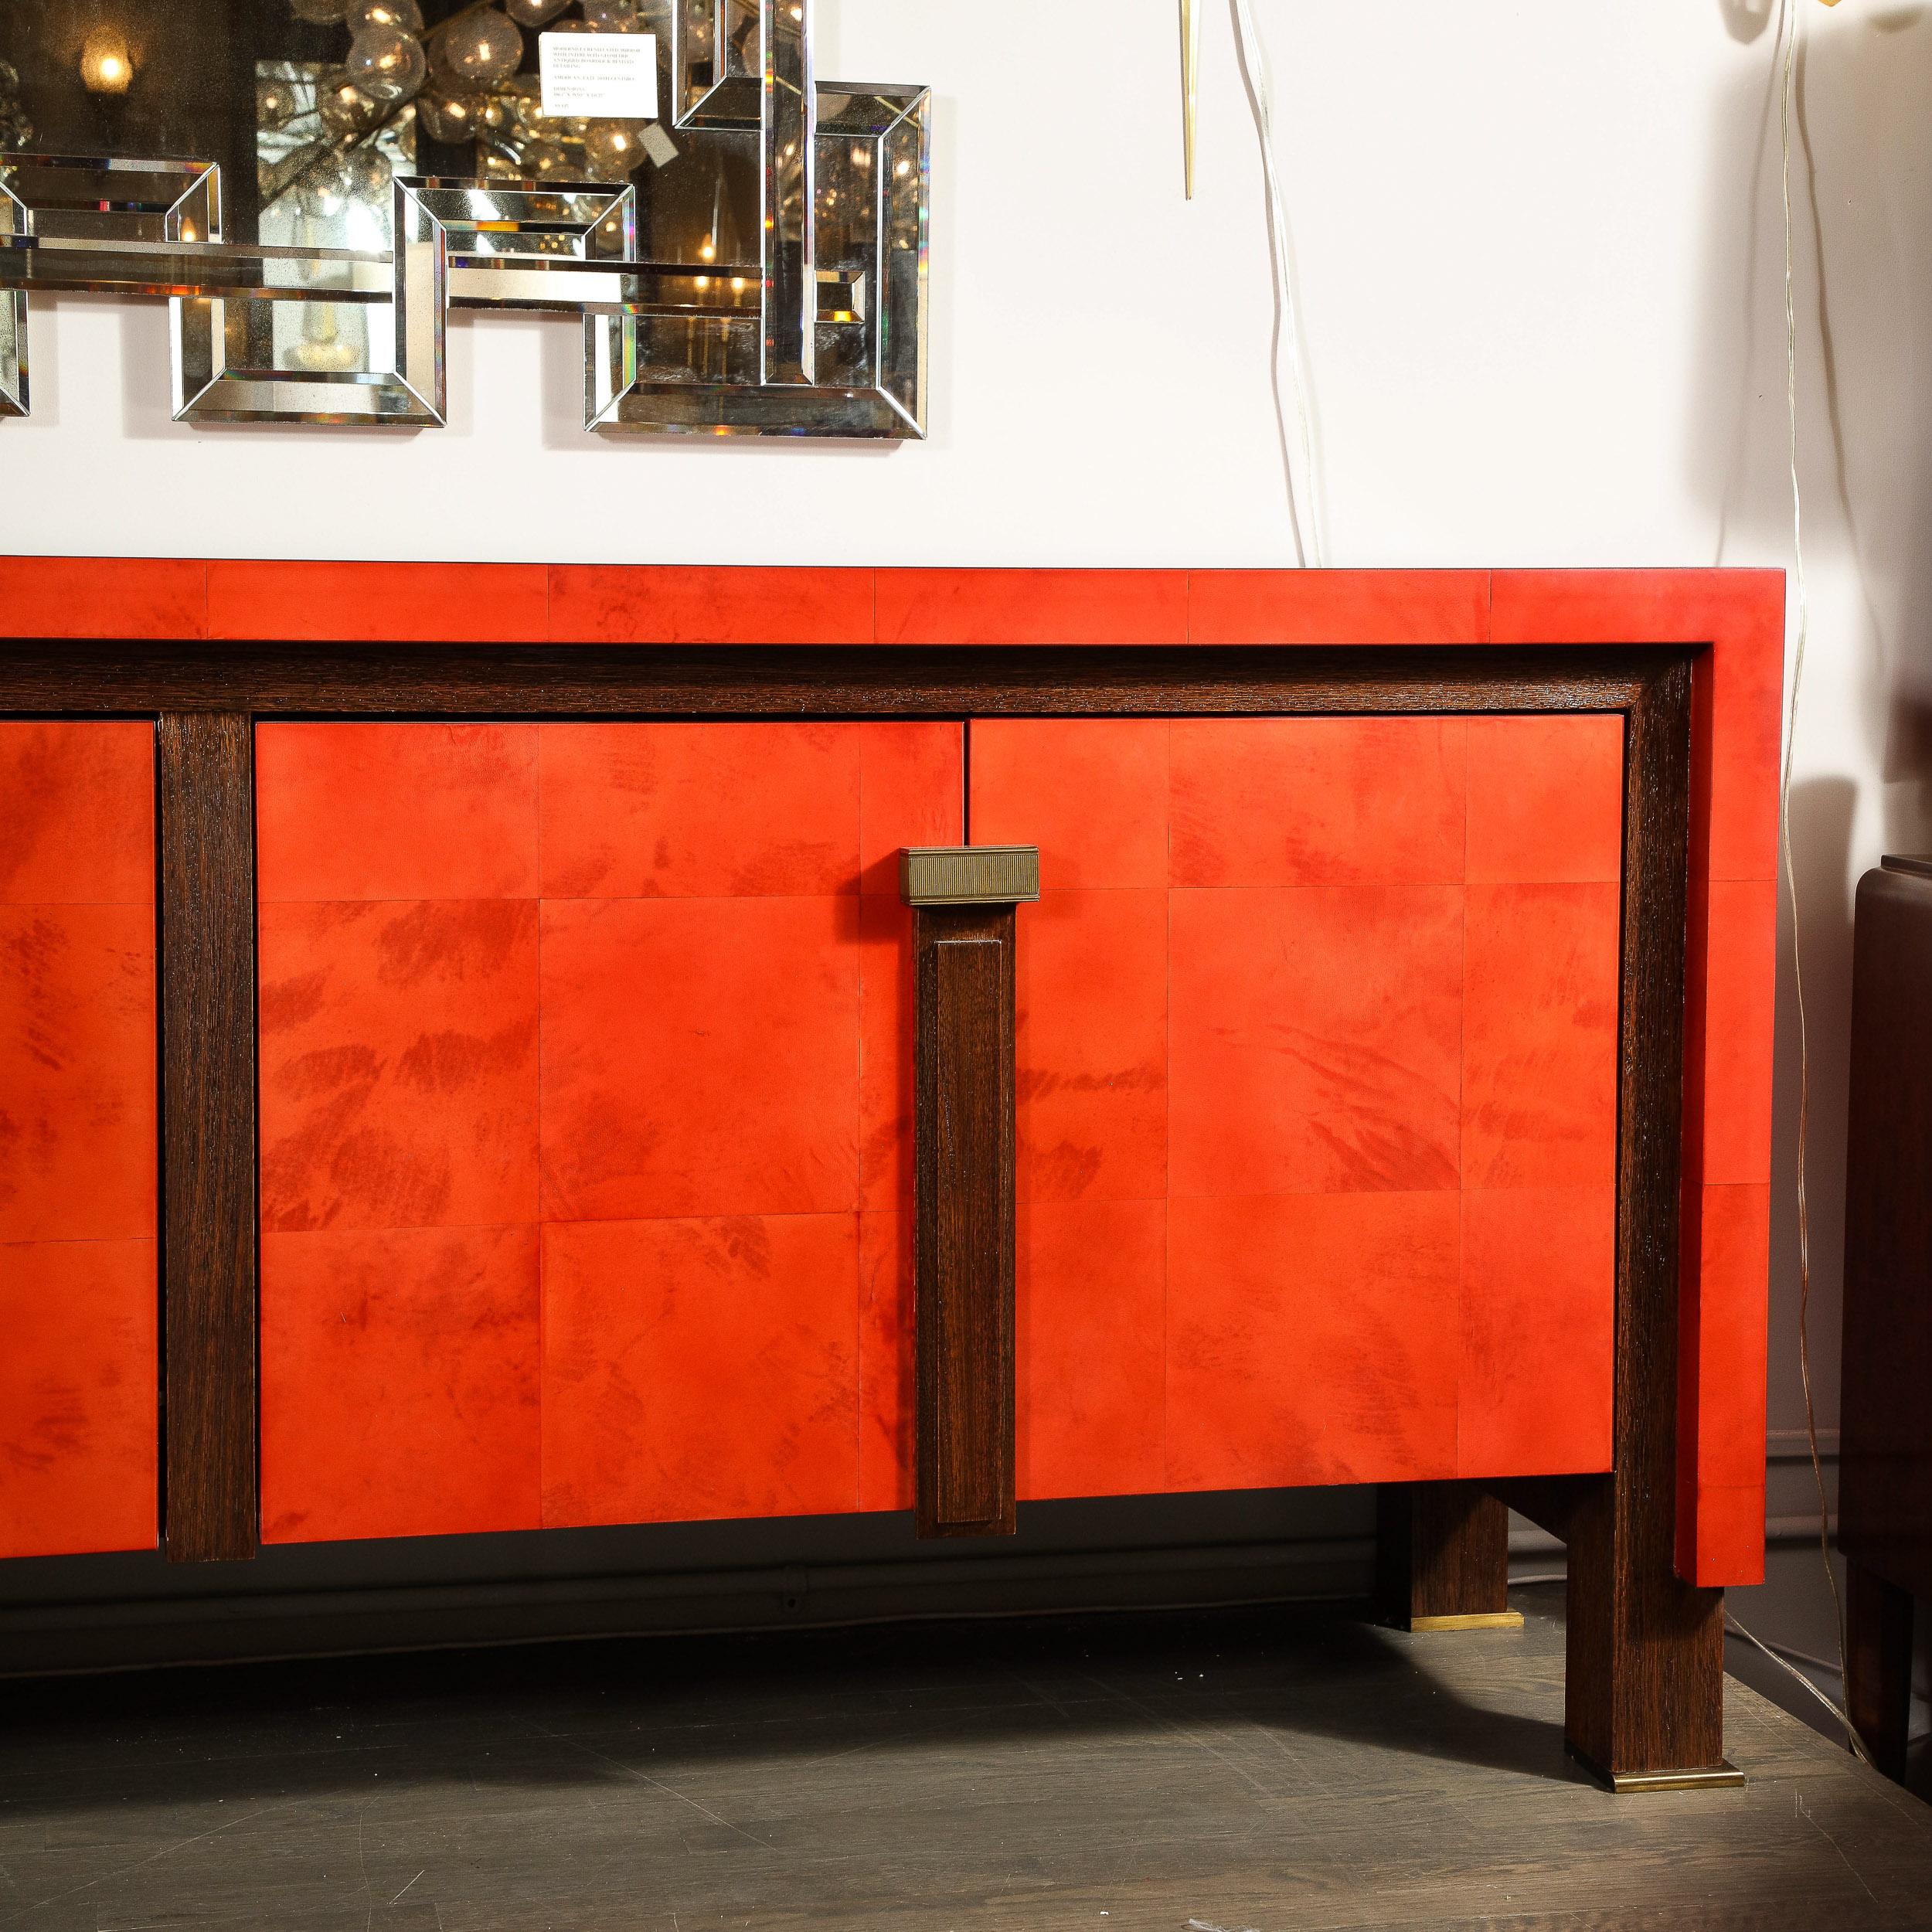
(460, 81)
(16, 131)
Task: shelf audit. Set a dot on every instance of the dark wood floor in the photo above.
(1262, 1769)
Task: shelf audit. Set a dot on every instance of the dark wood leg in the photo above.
(1442, 1557)
(1644, 1694)
(964, 1242)
(207, 998)
(1878, 1665)
(1644, 1703)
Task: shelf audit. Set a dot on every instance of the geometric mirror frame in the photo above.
(857, 369)
(772, 281)
(232, 362)
(497, 244)
(105, 211)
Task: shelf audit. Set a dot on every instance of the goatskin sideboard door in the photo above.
(1317, 1078)
(79, 1176)
(585, 1095)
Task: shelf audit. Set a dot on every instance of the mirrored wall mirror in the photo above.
(760, 234)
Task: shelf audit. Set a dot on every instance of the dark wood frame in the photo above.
(1645, 1655)
(205, 788)
(965, 1224)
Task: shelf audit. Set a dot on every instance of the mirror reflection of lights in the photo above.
(106, 65)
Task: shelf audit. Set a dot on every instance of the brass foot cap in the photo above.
(1478, 1620)
(1724, 1776)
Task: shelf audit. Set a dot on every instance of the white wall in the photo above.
(1540, 255)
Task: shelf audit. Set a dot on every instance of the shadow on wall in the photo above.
(1861, 209)
(1861, 206)
(1824, 811)
(1746, 19)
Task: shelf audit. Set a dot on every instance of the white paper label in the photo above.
(613, 76)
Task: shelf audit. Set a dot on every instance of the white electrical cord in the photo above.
(1791, 1670)
(1793, 32)
(1779, 1654)
(1302, 495)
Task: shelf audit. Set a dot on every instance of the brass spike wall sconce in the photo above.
(1190, 88)
(821, 331)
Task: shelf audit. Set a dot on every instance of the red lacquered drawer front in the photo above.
(1317, 1070)
(586, 1092)
(78, 1366)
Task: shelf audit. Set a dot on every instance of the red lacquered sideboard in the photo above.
(467, 1062)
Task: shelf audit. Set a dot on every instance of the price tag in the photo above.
(599, 76)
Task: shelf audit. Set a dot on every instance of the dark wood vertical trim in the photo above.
(206, 798)
(1645, 1693)
(1877, 1665)
(1442, 1557)
(964, 1199)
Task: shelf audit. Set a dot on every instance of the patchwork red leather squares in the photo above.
(700, 1368)
(399, 1394)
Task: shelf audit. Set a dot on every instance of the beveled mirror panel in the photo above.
(750, 258)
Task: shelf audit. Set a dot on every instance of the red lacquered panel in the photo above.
(399, 1063)
(887, 994)
(398, 1382)
(727, 1072)
(78, 1305)
(700, 811)
(1317, 1038)
(687, 604)
(1725, 1530)
(85, 596)
(1031, 607)
(1092, 794)
(78, 1427)
(79, 813)
(328, 826)
(398, 954)
(1538, 1338)
(700, 1057)
(1338, 606)
(1737, 1020)
(1311, 1339)
(1538, 1036)
(251, 598)
(886, 1393)
(1307, 801)
(1089, 1418)
(1092, 1038)
(636, 1065)
(76, 1071)
(1544, 804)
(700, 1368)
(1330, 1003)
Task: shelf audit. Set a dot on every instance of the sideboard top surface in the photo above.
(266, 600)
